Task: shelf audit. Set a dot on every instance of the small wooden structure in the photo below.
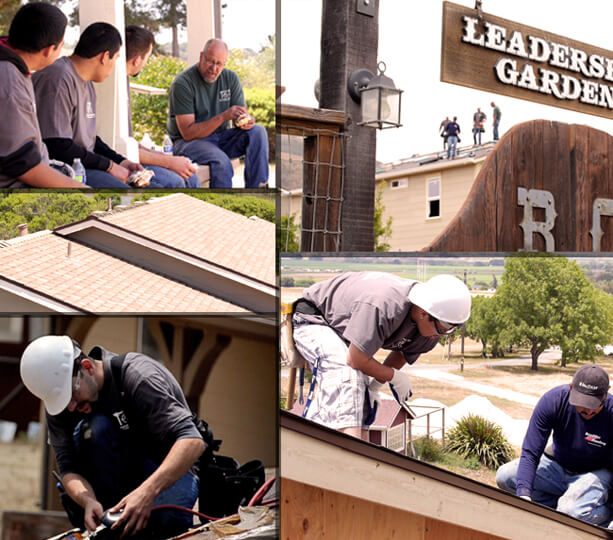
(547, 186)
(389, 426)
(322, 172)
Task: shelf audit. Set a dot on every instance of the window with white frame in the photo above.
(433, 198)
(402, 183)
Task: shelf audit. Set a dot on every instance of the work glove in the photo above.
(400, 385)
(372, 401)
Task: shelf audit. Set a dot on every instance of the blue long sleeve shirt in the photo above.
(579, 445)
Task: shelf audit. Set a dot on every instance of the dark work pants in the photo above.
(114, 468)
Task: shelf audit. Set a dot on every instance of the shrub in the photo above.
(428, 449)
(477, 437)
(150, 113)
(261, 105)
(287, 235)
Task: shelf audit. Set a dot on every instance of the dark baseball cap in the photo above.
(590, 386)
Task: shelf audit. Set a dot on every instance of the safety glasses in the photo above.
(443, 328)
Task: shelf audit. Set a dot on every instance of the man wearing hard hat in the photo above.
(339, 325)
(123, 434)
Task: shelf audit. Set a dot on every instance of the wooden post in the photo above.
(349, 41)
(200, 27)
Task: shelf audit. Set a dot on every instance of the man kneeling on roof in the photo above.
(574, 474)
(123, 435)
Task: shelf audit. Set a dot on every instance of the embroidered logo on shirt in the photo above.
(89, 110)
(399, 345)
(594, 440)
(224, 95)
(122, 420)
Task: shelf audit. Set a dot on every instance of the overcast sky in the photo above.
(410, 45)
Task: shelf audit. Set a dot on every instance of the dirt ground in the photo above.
(20, 475)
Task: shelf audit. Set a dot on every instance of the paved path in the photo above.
(439, 373)
(458, 380)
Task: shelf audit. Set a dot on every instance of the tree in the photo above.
(262, 206)
(383, 229)
(548, 301)
(45, 211)
(8, 8)
(172, 14)
(135, 12)
(486, 325)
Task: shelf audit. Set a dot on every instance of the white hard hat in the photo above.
(444, 297)
(46, 370)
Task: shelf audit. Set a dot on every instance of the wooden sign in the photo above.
(546, 186)
(512, 59)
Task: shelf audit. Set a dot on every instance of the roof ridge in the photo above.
(132, 205)
(20, 239)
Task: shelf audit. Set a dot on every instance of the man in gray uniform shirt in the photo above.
(122, 432)
(340, 324)
(66, 103)
(36, 36)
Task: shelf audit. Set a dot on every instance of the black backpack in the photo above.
(224, 484)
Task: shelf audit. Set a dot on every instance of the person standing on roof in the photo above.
(496, 119)
(123, 435)
(339, 325)
(478, 119)
(442, 129)
(574, 474)
(453, 130)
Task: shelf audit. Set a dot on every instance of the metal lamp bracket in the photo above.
(357, 80)
(366, 7)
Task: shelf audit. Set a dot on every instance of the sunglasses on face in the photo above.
(443, 328)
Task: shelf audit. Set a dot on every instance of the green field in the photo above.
(479, 270)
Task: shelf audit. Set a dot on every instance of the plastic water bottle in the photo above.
(146, 141)
(167, 145)
(79, 170)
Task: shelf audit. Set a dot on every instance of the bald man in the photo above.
(209, 123)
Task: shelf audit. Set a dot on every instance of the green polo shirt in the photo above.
(190, 94)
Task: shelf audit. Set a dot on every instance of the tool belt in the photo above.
(224, 484)
(306, 307)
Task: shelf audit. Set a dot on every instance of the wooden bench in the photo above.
(204, 173)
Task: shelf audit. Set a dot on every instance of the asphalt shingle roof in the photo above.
(244, 245)
(96, 282)
(93, 281)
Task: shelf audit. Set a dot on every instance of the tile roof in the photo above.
(96, 282)
(244, 245)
